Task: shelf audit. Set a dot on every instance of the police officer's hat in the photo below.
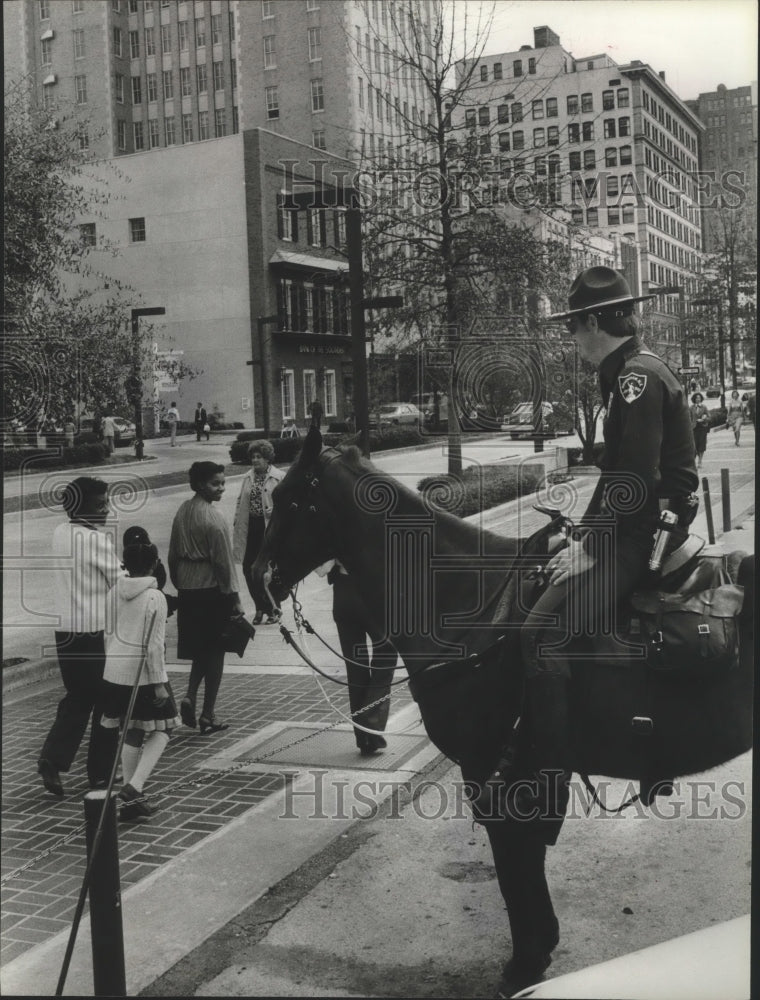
(598, 288)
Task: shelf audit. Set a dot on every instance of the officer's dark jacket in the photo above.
(648, 441)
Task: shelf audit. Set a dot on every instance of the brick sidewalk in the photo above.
(40, 902)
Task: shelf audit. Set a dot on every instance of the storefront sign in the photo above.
(311, 349)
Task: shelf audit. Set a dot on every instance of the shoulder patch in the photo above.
(632, 386)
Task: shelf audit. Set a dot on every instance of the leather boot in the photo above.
(547, 698)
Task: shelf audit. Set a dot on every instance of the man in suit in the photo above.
(201, 418)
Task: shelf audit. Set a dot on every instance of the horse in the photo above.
(448, 596)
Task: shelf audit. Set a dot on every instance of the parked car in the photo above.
(520, 423)
(713, 392)
(125, 429)
(394, 414)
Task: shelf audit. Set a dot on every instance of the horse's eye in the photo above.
(294, 506)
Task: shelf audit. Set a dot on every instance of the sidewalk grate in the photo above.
(334, 748)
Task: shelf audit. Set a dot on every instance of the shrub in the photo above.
(717, 417)
(480, 487)
(82, 454)
(575, 455)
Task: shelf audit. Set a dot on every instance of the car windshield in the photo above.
(390, 408)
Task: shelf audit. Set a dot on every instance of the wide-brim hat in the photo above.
(599, 288)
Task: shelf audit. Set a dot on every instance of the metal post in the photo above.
(108, 969)
(136, 364)
(708, 511)
(358, 334)
(725, 490)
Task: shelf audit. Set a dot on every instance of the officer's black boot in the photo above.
(547, 697)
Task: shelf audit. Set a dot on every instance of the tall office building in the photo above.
(612, 143)
(155, 73)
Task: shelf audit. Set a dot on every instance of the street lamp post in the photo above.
(136, 380)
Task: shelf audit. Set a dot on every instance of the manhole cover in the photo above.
(332, 748)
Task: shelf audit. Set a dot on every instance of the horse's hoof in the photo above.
(517, 975)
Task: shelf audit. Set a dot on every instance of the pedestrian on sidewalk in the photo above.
(316, 411)
(735, 414)
(202, 569)
(254, 508)
(69, 429)
(370, 659)
(154, 715)
(172, 416)
(85, 568)
(700, 425)
(109, 433)
(201, 421)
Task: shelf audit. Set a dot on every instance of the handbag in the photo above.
(206, 428)
(236, 634)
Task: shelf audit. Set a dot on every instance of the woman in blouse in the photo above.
(735, 412)
(254, 508)
(700, 421)
(202, 569)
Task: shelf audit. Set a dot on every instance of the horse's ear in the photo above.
(311, 448)
(353, 440)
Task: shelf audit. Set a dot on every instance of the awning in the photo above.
(308, 261)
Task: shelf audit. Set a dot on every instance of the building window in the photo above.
(185, 86)
(538, 109)
(497, 71)
(609, 128)
(588, 131)
(532, 65)
(166, 38)
(121, 135)
(624, 126)
(502, 114)
(517, 115)
(318, 139)
(233, 73)
(317, 95)
(138, 135)
(613, 216)
(315, 44)
(484, 74)
(150, 41)
(134, 44)
(339, 227)
(119, 88)
(331, 405)
(628, 213)
(136, 90)
(168, 79)
(77, 6)
(608, 100)
(309, 389)
(592, 217)
(623, 99)
(219, 75)
(153, 133)
(518, 140)
(504, 142)
(132, 6)
(270, 59)
(286, 390)
(625, 155)
(220, 123)
(267, 9)
(517, 67)
(203, 132)
(235, 122)
(551, 107)
(613, 187)
(287, 224)
(574, 132)
(587, 102)
(169, 137)
(78, 36)
(273, 106)
(575, 161)
(484, 144)
(589, 159)
(484, 115)
(83, 137)
(470, 118)
(216, 29)
(539, 137)
(187, 128)
(200, 32)
(44, 7)
(552, 135)
(183, 35)
(201, 78)
(572, 104)
(46, 46)
(576, 216)
(117, 50)
(610, 157)
(313, 5)
(151, 81)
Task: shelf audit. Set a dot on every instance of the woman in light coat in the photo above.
(254, 508)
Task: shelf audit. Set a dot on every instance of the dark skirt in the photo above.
(201, 617)
(700, 438)
(145, 715)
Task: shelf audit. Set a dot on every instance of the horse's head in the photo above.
(300, 534)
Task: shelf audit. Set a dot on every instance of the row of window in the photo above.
(167, 42)
(147, 135)
(673, 150)
(317, 220)
(670, 122)
(671, 251)
(497, 69)
(316, 94)
(305, 307)
(310, 392)
(167, 80)
(615, 217)
(314, 38)
(268, 8)
(88, 234)
(545, 108)
(738, 101)
(661, 220)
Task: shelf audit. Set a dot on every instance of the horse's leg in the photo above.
(519, 854)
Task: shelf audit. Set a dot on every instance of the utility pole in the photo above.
(261, 322)
(136, 378)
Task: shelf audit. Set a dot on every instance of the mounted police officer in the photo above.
(648, 466)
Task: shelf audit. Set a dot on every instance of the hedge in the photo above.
(717, 417)
(286, 449)
(93, 453)
(479, 488)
